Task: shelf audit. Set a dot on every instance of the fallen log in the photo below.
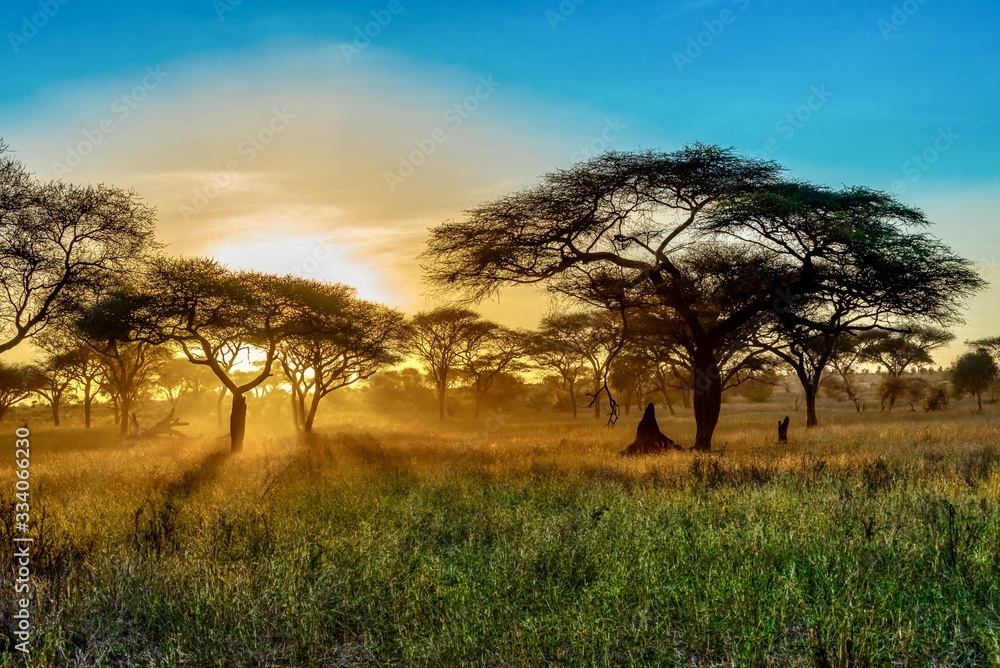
(166, 427)
(649, 440)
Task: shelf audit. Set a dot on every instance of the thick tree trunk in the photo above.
(707, 399)
(55, 411)
(572, 398)
(125, 409)
(441, 389)
(979, 398)
(87, 401)
(811, 419)
(237, 423)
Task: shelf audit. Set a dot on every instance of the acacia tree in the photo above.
(115, 330)
(17, 383)
(662, 221)
(553, 354)
(594, 336)
(55, 376)
(489, 351)
(58, 244)
(343, 340)
(437, 339)
(973, 373)
(205, 309)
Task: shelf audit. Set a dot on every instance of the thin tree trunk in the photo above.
(441, 388)
(313, 407)
(55, 410)
(237, 423)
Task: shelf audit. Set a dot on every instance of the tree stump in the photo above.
(649, 440)
(783, 430)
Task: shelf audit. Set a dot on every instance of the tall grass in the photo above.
(872, 541)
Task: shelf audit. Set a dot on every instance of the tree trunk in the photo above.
(479, 402)
(55, 410)
(87, 401)
(811, 419)
(572, 398)
(125, 408)
(979, 398)
(313, 407)
(707, 399)
(237, 423)
(296, 415)
(597, 399)
(441, 388)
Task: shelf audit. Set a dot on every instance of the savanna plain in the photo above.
(518, 539)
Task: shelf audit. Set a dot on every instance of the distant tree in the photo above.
(58, 244)
(595, 336)
(488, 352)
(973, 373)
(437, 338)
(56, 374)
(718, 239)
(81, 362)
(114, 329)
(343, 340)
(17, 383)
(552, 353)
(990, 344)
(898, 350)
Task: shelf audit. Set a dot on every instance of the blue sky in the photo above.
(896, 95)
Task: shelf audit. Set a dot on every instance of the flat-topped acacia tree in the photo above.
(647, 220)
(206, 310)
(338, 340)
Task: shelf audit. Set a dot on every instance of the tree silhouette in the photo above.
(489, 351)
(207, 310)
(974, 372)
(343, 340)
(437, 338)
(678, 224)
(59, 243)
(17, 383)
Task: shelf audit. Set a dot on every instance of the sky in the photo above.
(302, 137)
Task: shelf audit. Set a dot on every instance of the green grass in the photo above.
(872, 541)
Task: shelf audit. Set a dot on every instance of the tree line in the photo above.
(683, 275)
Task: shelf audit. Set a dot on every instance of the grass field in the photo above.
(519, 540)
